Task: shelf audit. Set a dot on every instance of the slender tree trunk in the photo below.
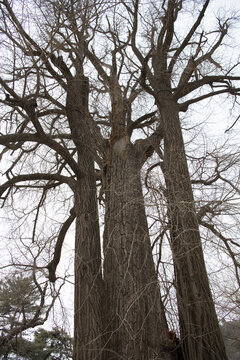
(136, 323)
(88, 305)
(200, 332)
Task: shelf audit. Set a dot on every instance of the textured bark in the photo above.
(88, 306)
(200, 332)
(136, 323)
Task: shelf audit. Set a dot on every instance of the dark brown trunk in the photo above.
(88, 304)
(200, 332)
(136, 323)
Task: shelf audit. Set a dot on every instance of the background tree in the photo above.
(23, 305)
(231, 334)
(18, 300)
(47, 344)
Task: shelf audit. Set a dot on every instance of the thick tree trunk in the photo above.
(135, 323)
(200, 332)
(88, 304)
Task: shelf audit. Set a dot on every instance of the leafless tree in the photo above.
(92, 90)
(173, 72)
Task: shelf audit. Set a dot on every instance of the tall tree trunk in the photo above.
(136, 323)
(200, 332)
(88, 305)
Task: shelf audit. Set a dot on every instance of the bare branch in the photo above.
(33, 177)
(52, 266)
(8, 140)
(223, 81)
(138, 123)
(188, 37)
(184, 106)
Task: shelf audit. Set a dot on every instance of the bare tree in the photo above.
(214, 174)
(68, 151)
(169, 54)
(85, 105)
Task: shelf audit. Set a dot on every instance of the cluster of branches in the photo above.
(128, 56)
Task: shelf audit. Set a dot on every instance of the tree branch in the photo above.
(188, 37)
(207, 80)
(184, 106)
(7, 140)
(147, 146)
(135, 124)
(225, 241)
(52, 266)
(37, 176)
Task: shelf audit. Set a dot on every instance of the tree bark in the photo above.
(200, 332)
(88, 305)
(135, 323)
